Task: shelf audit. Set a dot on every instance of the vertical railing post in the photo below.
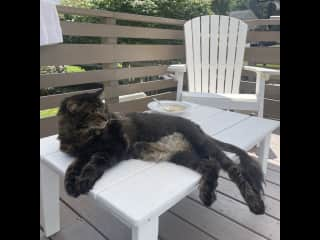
(110, 40)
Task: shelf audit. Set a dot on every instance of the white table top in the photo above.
(135, 190)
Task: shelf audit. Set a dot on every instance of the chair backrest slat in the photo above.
(214, 30)
(241, 43)
(189, 54)
(232, 46)
(222, 56)
(205, 24)
(215, 51)
(197, 53)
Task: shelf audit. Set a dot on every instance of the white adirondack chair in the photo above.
(215, 48)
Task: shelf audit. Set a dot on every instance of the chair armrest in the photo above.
(265, 73)
(177, 68)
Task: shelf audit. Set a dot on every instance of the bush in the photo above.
(180, 9)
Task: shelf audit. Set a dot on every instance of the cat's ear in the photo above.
(72, 107)
(99, 92)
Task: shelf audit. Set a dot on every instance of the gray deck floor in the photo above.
(228, 218)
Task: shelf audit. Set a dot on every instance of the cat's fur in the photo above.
(100, 139)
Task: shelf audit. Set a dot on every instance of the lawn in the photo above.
(48, 113)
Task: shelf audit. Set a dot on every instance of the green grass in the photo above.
(70, 69)
(48, 113)
(276, 66)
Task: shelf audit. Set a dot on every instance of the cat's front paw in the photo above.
(85, 185)
(71, 186)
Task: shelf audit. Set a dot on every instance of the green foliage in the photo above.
(221, 7)
(180, 9)
(239, 5)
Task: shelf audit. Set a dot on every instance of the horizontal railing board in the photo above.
(143, 18)
(94, 53)
(140, 105)
(119, 15)
(150, 19)
(48, 126)
(65, 79)
(272, 91)
(256, 22)
(262, 55)
(103, 30)
(263, 36)
(52, 101)
(139, 87)
(98, 53)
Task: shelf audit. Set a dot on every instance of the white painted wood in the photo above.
(196, 53)
(232, 44)
(262, 75)
(139, 209)
(200, 113)
(177, 68)
(179, 77)
(222, 121)
(264, 149)
(148, 231)
(248, 132)
(189, 54)
(223, 101)
(214, 43)
(205, 24)
(222, 57)
(269, 71)
(49, 200)
(49, 145)
(260, 85)
(241, 42)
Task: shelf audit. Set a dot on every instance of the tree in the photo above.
(180, 9)
(221, 7)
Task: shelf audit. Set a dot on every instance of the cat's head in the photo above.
(80, 118)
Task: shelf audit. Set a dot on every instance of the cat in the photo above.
(99, 139)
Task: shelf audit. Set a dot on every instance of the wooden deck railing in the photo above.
(147, 61)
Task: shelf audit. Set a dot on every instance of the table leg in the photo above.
(264, 148)
(148, 231)
(49, 200)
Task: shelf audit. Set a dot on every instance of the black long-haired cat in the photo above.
(100, 139)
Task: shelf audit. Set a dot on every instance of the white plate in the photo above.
(166, 106)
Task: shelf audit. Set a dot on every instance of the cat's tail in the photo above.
(247, 175)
